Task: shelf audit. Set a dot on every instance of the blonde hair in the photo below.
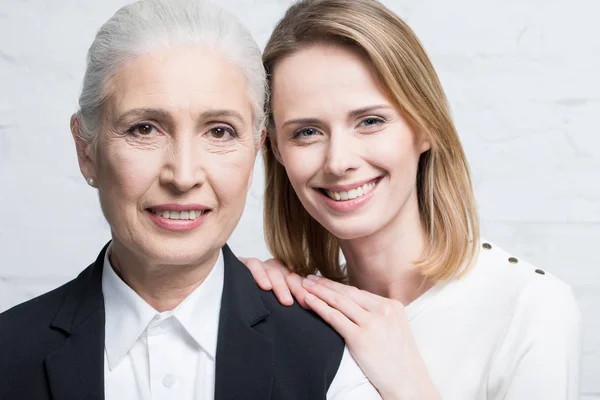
(446, 201)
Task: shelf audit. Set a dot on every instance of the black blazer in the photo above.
(52, 347)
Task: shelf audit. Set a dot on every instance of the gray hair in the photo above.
(150, 25)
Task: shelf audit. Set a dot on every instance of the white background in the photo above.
(521, 76)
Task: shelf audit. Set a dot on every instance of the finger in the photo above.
(338, 301)
(280, 286)
(258, 272)
(366, 300)
(338, 321)
(294, 282)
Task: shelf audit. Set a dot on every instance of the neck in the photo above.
(383, 262)
(163, 286)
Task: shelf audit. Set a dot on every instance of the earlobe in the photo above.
(425, 145)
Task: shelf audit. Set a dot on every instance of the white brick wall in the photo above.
(522, 78)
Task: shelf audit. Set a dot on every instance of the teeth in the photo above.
(188, 214)
(352, 194)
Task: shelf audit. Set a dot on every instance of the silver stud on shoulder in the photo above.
(540, 271)
(486, 246)
(513, 260)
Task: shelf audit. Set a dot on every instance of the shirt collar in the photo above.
(199, 312)
(127, 315)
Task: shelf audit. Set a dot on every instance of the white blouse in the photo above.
(171, 355)
(506, 330)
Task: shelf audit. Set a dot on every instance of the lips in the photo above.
(348, 198)
(178, 217)
(351, 191)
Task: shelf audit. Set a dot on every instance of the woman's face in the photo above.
(175, 155)
(350, 156)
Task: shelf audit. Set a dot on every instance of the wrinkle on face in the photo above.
(183, 93)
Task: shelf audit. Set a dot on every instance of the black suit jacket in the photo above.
(52, 347)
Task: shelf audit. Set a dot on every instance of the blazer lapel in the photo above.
(76, 369)
(244, 360)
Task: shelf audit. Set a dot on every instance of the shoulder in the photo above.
(36, 312)
(509, 272)
(304, 343)
(538, 343)
(26, 338)
(307, 328)
(510, 281)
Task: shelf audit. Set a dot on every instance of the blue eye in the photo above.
(306, 132)
(371, 121)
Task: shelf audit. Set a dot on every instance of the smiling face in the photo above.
(175, 155)
(350, 156)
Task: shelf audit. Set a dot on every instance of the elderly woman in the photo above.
(168, 129)
(363, 157)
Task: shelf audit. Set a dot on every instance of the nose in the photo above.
(183, 165)
(342, 155)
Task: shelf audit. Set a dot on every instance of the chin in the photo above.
(177, 251)
(346, 231)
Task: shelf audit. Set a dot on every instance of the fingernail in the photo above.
(287, 297)
(313, 278)
(309, 297)
(308, 282)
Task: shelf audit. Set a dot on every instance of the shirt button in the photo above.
(169, 380)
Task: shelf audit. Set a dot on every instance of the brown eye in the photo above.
(143, 130)
(221, 133)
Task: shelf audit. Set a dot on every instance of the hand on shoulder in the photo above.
(274, 275)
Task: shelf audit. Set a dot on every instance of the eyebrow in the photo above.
(366, 110)
(161, 114)
(215, 114)
(156, 113)
(351, 114)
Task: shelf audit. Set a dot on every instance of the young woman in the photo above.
(362, 156)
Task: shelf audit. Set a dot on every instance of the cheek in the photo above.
(228, 175)
(127, 173)
(301, 164)
(395, 149)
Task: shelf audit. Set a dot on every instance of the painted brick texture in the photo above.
(521, 77)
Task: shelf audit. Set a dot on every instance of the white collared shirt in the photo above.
(171, 355)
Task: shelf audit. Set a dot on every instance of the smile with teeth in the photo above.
(351, 194)
(189, 214)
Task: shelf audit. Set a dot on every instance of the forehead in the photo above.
(193, 79)
(324, 77)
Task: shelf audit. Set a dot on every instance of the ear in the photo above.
(424, 144)
(261, 141)
(86, 162)
(275, 148)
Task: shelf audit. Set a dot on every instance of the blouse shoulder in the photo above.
(506, 270)
(541, 342)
